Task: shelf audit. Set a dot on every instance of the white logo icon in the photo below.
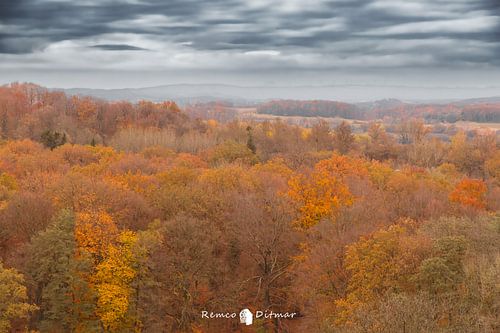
(246, 317)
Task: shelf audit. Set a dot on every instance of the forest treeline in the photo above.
(449, 113)
(28, 111)
(119, 217)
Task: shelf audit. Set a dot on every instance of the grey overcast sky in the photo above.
(137, 43)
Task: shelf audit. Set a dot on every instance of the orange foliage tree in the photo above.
(94, 233)
(470, 193)
(325, 191)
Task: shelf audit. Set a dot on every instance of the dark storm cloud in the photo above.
(118, 47)
(342, 28)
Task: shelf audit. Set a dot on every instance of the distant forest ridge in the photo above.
(453, 112)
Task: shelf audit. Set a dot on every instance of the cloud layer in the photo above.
(247, 36)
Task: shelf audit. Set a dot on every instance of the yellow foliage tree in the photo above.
(227, 178)
(13, 298)
(275, 166)
(379, 173)
(112, 280)
(8, 185)
(384, 262)
(492, 167)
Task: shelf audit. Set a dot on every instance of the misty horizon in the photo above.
(351, 93)
(147, 43)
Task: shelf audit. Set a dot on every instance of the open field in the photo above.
(469, 126)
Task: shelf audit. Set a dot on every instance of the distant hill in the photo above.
(487, 100)
(195, 93)
(182, 94)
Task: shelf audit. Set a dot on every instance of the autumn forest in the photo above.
(136, 217)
